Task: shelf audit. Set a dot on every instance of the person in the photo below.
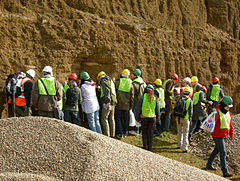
(194, 83)
(199, 112)
(138, 86)
(42, 103)
(108, 101)
(125, 98)
(147, 113)
(223, 128)
(90, 104)
(168, 86)
(186, 83)
(214, 94)
(184, 122)
(73, 101)
(159, 92)
(24, 95)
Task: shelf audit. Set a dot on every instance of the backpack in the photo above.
(14, 83)
(72, 96)
(180, 109)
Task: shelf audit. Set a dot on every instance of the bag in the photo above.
(72, 96)
(132, 120)
(209, 123)
(180, 109)
(13, 83)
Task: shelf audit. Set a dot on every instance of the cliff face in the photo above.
(159, 36)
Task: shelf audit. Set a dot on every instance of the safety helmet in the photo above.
(100, 74)
(137, 72)
(48, 69)
(215, 79)
(194, 79)
(187, 89)
(31, 72)
(84, 76)
(187, 80)
(149, 86)
(126, 72)
(158, 82)
(73, 76)
(204, 89)
(174, 76)
(228, 101)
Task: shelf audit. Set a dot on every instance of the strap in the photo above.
(51, 101)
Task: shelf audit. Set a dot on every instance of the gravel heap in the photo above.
(203, 145)
(37, 148)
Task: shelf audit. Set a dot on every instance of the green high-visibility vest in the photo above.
(224, 120)
(188, 101)
(112, 89)
(66, 86)
(164, 86)
(148, 106)
(161, 99)
(196, 97)
(50, 85)
(139, 80)
(195, 87)
(215, 92)
(125, 85)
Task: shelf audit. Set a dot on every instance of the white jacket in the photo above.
(90, 102)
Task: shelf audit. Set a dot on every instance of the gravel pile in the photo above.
(203, 145)
(37, 148)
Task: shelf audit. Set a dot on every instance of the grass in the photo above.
(166, 145)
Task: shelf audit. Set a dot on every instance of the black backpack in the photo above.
(72, 96)
(180, 109)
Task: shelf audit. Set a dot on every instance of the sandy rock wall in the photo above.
(160, 36)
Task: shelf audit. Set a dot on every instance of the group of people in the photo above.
(113, 100)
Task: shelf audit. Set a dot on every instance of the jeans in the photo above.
(157, 127)
(93, 121)
(121, 130)
(219, 147)
(195, 127)
(72, 117)
(167, 120)
(147, 132)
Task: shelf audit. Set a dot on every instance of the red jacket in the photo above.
(222, 133)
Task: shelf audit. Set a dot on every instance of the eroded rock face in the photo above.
(160, 37)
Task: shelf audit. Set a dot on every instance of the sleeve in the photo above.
(202, 98)
(190, 109)
(59, 91)
(209, 92)
(157, 110)
(106, 91)
(156, 93)
(28, 87)
(231, 134)
(80, 96)
(131, 97)
(169, 87)
(221, 94)
(35, 95)
(139, 108)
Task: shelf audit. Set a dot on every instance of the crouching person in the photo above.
(147, 113)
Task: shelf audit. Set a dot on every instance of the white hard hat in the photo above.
(48, 69)
(187, 79)
(31, 72)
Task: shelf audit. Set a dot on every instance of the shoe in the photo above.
(134, 133)
(227, 175)
(211, 168)
(178, 147)
(119, 137)
(185, 151)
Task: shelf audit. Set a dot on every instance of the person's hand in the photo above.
(108, 105)
(210, 102)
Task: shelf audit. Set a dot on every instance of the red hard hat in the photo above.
(204, 89)
(73, 76)
(215, 79)
(174, 76)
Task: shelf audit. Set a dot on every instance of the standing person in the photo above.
(184, 122)
(42, 103)
(73, 101)
(108, 100)
(168, 90)
(159, 92)
(223, 128)
(199, 112)
(195, 84)
(125, 98)
(138, 86)
(148, 112)
(214, 94)
(24, 95)
(90, 103)
(186, 83)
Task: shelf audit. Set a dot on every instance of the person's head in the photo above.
(158, 83)
(125, 73)
(136, 73)
(174, 77)
(72, 76)
(47, 70)
(225, 104)
(84, 76)
(101, 75)
(204, 89)
(186, 82)
(216, 80)
(194, 80)
(186, 91)
(149, 90)
(30, 73)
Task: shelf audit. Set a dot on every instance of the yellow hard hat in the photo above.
(100, 74)
(187, 89)
(158, 82)
(126, 72)
(194, 79)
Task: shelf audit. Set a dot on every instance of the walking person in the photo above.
(73, 101)
(90, 104)
(147, 113)
(223, 128)
(44, 102)
(108, 101)
(125, 98)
